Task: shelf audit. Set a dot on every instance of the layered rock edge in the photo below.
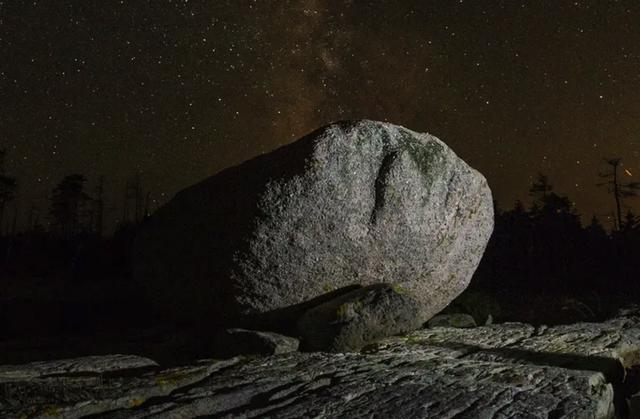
(585, 370)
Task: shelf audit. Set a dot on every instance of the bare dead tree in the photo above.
(620, 190)
(98, 224)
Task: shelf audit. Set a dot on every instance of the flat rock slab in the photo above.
(75, 395)
(390, 384)
(510, 370)
(609, 347)
(233, 342)
(84, 365)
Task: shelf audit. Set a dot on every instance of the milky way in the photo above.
(178, 90)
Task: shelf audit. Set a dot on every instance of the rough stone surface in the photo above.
(84, 365)
(74, 395)
(351, 203)
(510, 370)
(461, 320)
(608, 346)
(232, 342)
(353, 320)
(388, 385)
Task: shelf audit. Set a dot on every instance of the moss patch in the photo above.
(399, 289)
(346, 310)
(328, 288)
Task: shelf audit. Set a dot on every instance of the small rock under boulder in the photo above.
(353, 320)
(359, 202)
(232, 342)
(460, 320)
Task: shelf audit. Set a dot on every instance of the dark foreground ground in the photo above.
(51, 318)
(510, 370)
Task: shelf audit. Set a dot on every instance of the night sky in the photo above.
(178, 90)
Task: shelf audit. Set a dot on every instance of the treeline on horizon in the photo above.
(69, 240)
(73, 209)
(543, 247)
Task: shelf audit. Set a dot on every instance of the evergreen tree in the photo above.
(540, 189)
(8, 189)
(69, 205)
(630, 222)
(595, 228)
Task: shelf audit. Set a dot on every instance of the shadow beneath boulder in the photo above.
(40, 332)
(610, 367)
(284, 320)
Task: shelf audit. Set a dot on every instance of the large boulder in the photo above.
(352, 203)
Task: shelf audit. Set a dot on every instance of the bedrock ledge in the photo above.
(510, 370)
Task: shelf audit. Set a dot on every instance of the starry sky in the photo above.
(175, 91)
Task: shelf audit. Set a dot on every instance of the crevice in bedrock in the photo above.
(380, 185)
(630, 391)
(270, 400)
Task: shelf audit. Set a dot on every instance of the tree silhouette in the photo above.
(8, 188)
(68, 205)
(136, 204)
(595, 228)
(540, 189)
(548, 204)
(630, 222)
(620, 190)
(98, 210)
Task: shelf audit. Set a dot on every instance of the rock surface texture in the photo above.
(351, 321)
(461, 320)
(232, 342)
(512, 370)
(352, 203)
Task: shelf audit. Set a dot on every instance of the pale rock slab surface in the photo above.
(511, 370)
